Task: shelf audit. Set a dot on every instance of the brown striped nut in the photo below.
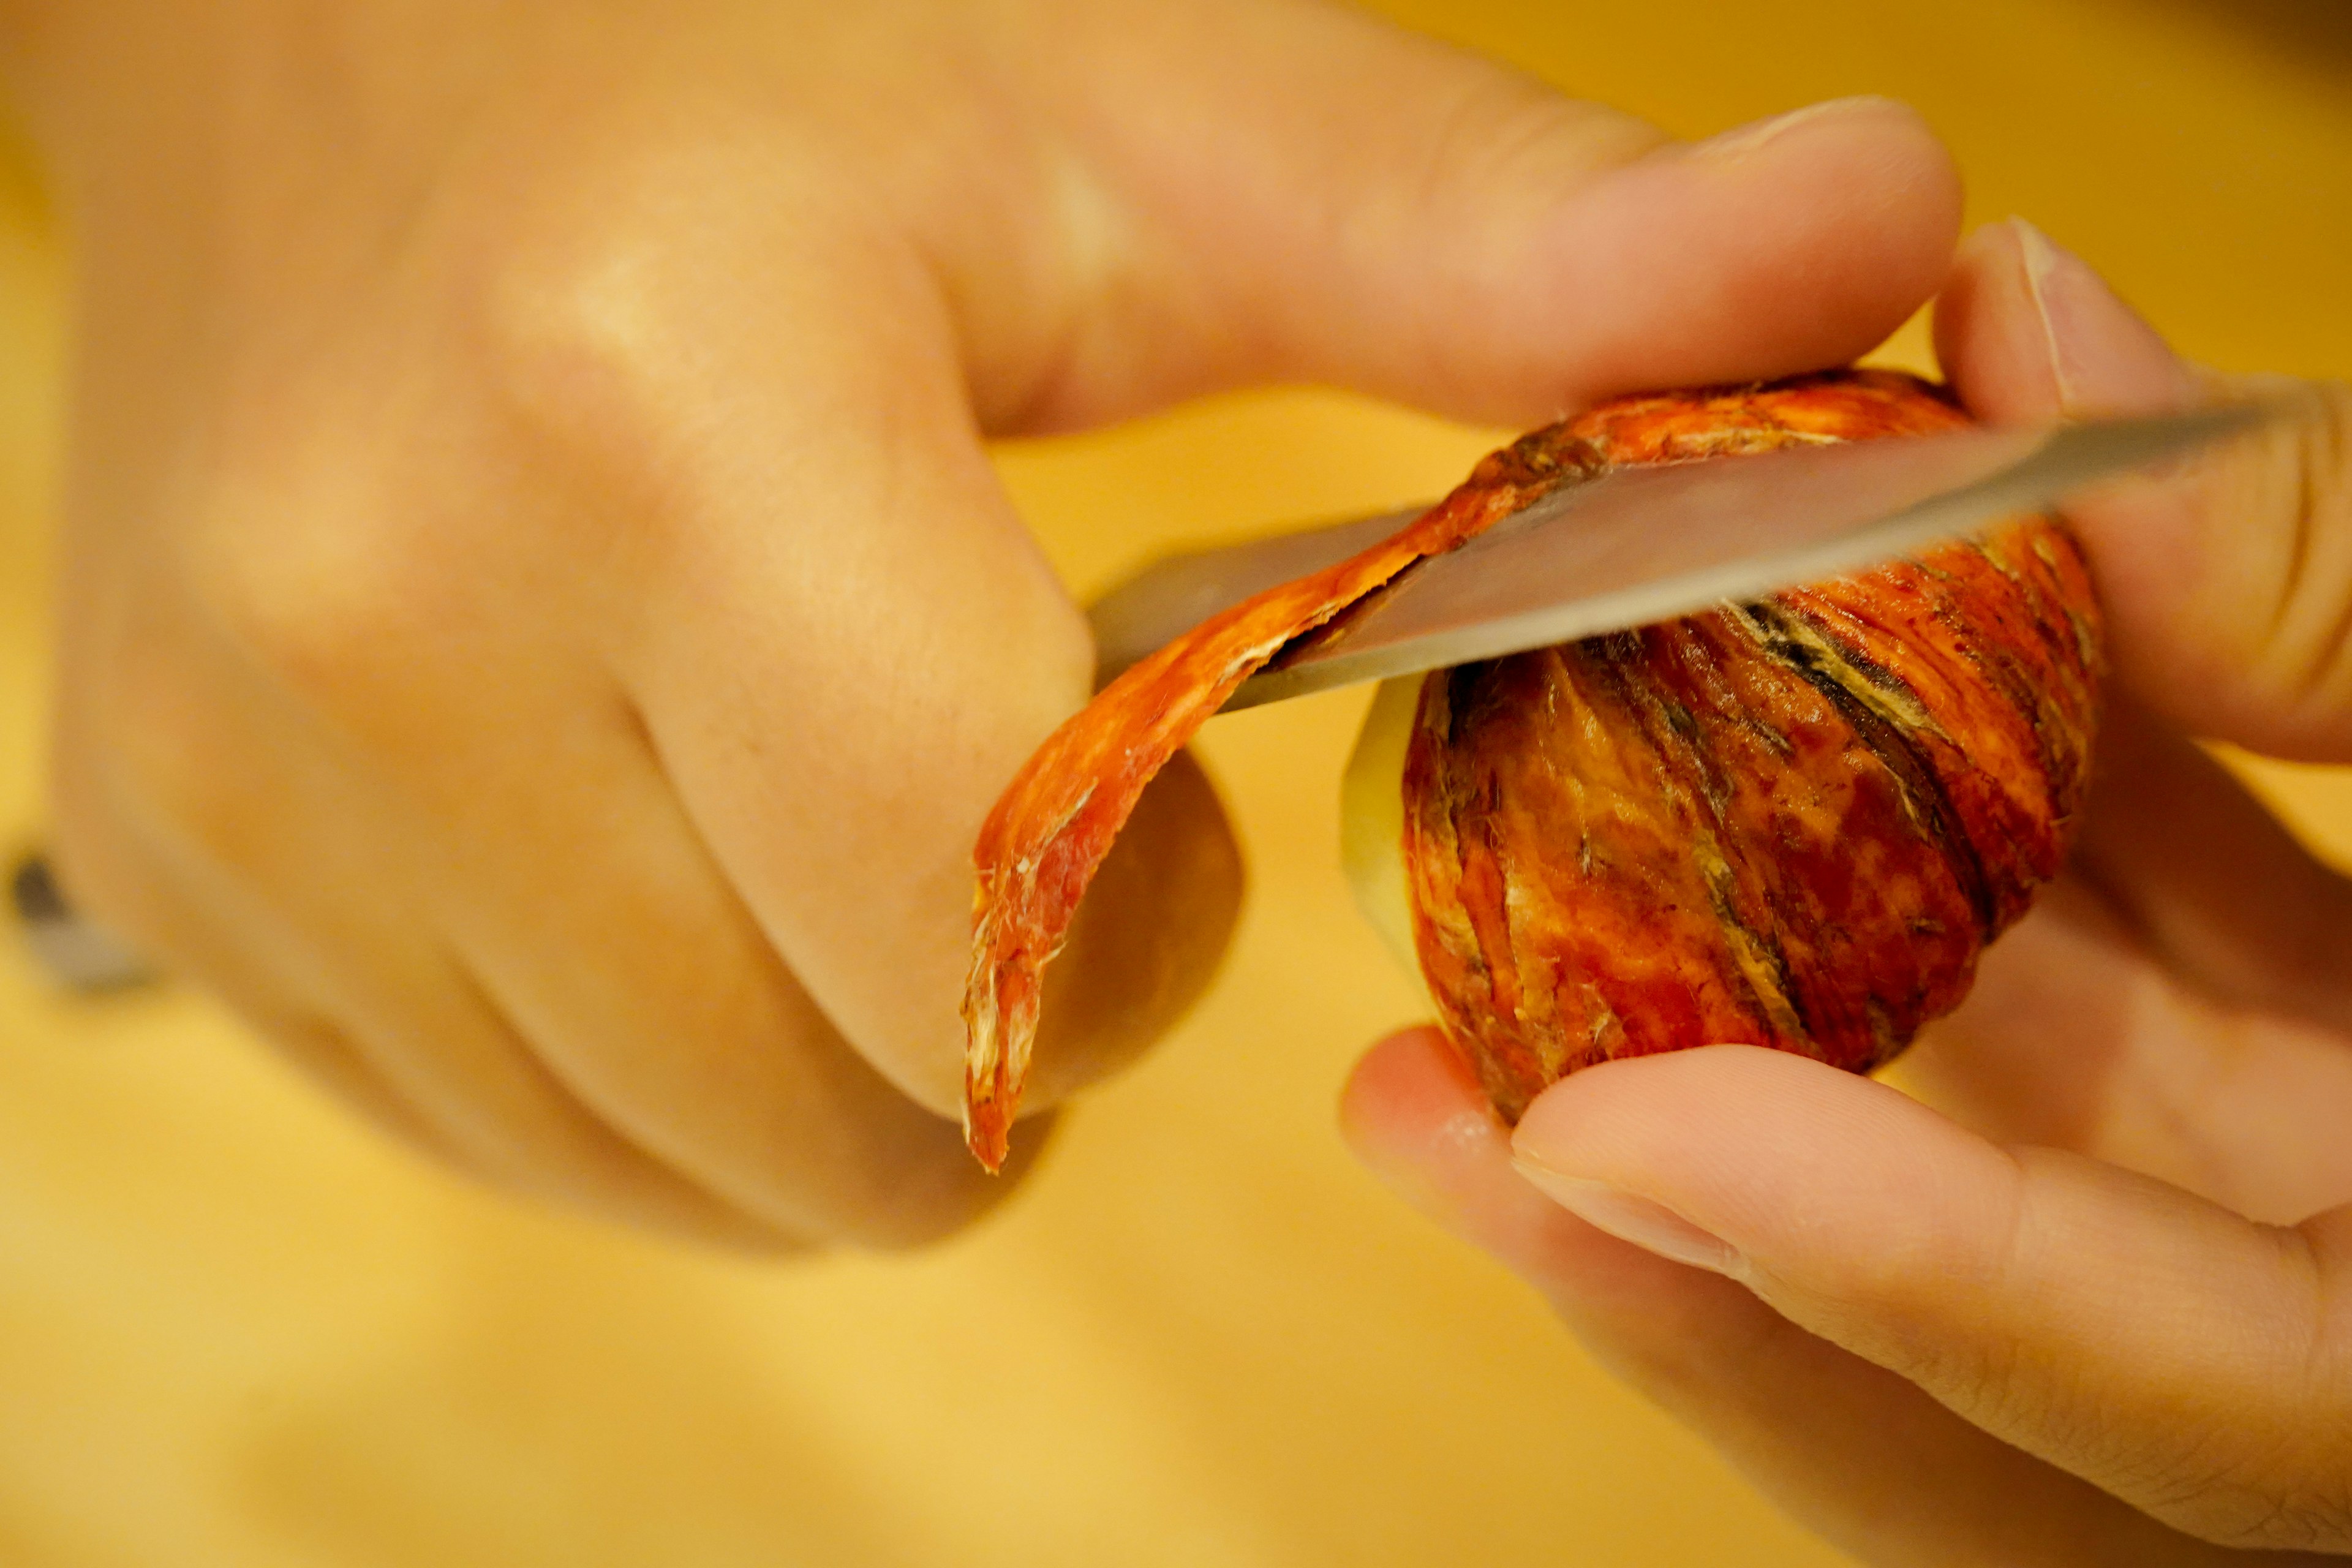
(1794, 823)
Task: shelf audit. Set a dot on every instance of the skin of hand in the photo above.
(540, 629)
(2085, 1297)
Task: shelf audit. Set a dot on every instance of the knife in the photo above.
(1639, 545)
(1630, 547)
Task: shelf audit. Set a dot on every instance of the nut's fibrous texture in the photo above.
(1793, 823)
(1049, 832)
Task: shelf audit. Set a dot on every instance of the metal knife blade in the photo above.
(1646, 545)
(1176, 593)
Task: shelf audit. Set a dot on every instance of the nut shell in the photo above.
(1794, 823)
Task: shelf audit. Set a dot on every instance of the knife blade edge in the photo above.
(2066, 460)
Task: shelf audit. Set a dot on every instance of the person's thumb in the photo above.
(1296, 192)
(2177, 1355)
(2228, 581)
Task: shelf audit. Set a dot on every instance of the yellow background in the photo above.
(235, 1328)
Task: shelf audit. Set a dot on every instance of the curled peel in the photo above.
(1050, 828)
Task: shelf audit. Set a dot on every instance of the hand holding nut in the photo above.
(2083, 1304)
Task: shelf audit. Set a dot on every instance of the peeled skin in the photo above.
(1048, 833)
(1794, 823)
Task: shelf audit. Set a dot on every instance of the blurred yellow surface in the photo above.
(236, 1328)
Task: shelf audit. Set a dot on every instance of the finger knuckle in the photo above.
(598, 317)
(1518, 131)
(593, 342)
(315, 598)
(578, 337)
(2298, 478)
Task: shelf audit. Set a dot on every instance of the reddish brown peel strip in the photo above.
(1052, 827)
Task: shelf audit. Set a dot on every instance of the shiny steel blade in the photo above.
(1177, 592)
(1647, 544)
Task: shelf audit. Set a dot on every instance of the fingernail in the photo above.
(2103, 357)
(1651, 1226)
(2051, 280)
(1742, 139)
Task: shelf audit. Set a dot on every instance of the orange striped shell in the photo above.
(1793, 823)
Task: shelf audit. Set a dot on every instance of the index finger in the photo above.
(2228, 584)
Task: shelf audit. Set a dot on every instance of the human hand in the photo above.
(540, 628)
(2099, 1309)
